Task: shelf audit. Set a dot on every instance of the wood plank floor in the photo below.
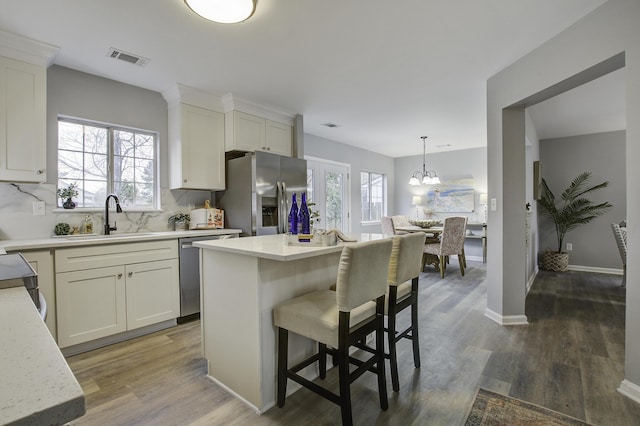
(569, 358)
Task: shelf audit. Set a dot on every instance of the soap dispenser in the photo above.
(87, 226)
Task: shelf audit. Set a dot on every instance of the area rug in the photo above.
(492, 409)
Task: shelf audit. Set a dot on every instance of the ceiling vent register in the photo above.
(127, 57)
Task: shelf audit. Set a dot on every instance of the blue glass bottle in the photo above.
(304, 217)
(293, 215)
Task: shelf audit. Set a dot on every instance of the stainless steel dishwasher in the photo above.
(190, 275)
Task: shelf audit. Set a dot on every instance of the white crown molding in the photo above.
(231, 102)
(506, 319)
(27, 50)
(181, 93)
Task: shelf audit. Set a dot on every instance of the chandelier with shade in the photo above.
(425, 177)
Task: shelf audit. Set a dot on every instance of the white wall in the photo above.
(546, 71)
(360, 160)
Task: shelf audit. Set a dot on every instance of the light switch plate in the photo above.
(494, 204)
(38, 208)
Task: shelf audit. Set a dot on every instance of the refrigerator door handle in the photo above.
(280, 197)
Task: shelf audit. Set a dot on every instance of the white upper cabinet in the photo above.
(23, 141)
(247, 132)
(196, 148)
(23, 108)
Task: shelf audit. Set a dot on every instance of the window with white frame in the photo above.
(373, 196)
(102, 159)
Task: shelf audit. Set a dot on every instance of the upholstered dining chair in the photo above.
(387, 225)
(620, 234)
(451, 243)
(400, 221)
(338, 320)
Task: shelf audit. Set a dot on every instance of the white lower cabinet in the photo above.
(131, 286)
(91, 304)
(152, 293)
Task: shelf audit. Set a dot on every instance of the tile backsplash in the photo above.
(17, 220)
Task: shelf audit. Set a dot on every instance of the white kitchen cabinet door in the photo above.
(91, 304)
(248, 131)
(279, 138)
(23, 142)
(196, 146)
(153, 293)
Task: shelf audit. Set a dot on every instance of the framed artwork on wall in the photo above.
(537, 180)
(453, 194)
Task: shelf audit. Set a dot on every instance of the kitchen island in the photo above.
(242, 280)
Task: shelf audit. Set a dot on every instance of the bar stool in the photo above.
(404, 270)
(339, 319)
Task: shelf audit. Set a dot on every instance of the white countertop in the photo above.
(80, 240)
(274, 247)
(36, 387)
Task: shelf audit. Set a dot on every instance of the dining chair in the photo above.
(387, 225)
(338, 320)
(620, 234)
(451, 243)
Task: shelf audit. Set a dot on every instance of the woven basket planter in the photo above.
(554, 261)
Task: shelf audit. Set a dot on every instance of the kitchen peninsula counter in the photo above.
(241, 281)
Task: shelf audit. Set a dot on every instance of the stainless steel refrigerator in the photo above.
(259, 191)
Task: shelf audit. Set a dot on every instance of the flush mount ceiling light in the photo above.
(426, 177)
(223, 11)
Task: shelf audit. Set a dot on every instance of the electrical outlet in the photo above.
(569, 246)
(38, 208)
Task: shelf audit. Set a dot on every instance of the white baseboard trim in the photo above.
(532, 279)
(232, 392)
(475, 258)
(506, 320)
(580, 268)
(630, 390)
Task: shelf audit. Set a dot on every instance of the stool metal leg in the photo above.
(414, 323)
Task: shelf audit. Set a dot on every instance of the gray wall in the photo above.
(77, 94)
(604, 33)
(603, 155)
(360, 160)
(471, 162)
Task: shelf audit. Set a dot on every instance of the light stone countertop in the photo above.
(36, 386)
(274, 247)
(85, 240)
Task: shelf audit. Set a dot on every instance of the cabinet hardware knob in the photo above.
(184, 181)
(119, 276)
(130, 274)
(41, 171)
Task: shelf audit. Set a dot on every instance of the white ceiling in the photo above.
(387, 72)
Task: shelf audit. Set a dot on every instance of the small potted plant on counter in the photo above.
(179, 221)
(66, 195)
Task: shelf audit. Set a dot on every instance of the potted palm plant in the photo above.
(569, 212)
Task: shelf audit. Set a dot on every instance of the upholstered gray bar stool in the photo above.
(405, 265)
(337, 320)
(404, 271)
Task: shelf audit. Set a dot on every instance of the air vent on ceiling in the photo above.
(127, 57)
(330, 125)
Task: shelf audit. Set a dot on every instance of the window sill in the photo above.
(99, 210)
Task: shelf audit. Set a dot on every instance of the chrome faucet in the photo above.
(107, 228)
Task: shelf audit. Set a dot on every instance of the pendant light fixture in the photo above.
(425, 177)
(223, 11)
